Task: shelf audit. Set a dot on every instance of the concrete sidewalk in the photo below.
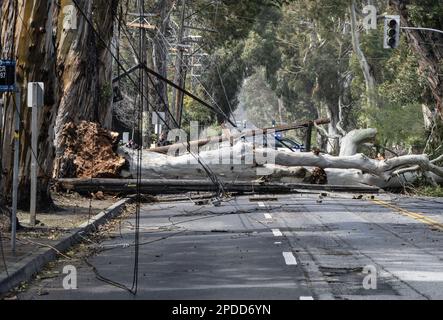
(31, 256)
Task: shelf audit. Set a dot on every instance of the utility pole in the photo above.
(308, 137)
(180, 70)
(143, 26)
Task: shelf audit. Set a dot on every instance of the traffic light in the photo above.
(392, 32)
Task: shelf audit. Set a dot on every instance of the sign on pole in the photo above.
(35, 101)
(35, 94)
(158, 119)
(7, 76)
(125, 137)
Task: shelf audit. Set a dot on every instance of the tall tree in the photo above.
(53, 43)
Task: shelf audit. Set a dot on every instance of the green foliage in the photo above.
(259, 100)
(300, 52)
(399, 125)
(193, 111)
(426, 13)
(106, 92)
(225, 77)
(429, 191)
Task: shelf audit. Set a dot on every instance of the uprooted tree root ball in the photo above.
(89, 152)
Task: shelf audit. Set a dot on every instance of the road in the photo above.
(292, 247)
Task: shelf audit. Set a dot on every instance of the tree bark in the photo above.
(365, 67)
(427, 117)
(75, 67)
(333, 147)
(350, 142)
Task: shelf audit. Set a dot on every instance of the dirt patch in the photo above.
(90, 152)
(73, 210)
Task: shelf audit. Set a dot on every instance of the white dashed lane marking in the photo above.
(261, 204)
(289, 258)
(306, 298)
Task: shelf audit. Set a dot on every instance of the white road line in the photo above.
(289, 258)
(277, 233)
(261, 204)
(268, 216)
(278, 242)
(306, 298)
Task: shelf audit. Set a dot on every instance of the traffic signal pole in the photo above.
(422, 29)
(392, 31)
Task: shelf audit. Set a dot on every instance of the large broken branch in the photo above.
(350, 142)
(229, 163)
(425, 166)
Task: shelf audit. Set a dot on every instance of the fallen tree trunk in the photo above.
(167, 186)
(90, 150)
(243, 162)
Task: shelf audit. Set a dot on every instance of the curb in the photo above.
(23, 270)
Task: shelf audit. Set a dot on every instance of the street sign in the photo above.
(7, 76)
(157, 121)
(125, 137)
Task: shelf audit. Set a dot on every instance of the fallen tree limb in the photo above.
(381, 168)
(230, 164)
(350, 142)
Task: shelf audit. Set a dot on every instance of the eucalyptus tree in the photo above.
(56, 44)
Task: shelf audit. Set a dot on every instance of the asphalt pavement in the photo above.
(287, 247)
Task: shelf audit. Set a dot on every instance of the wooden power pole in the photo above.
(143, 26)
(180, 69)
